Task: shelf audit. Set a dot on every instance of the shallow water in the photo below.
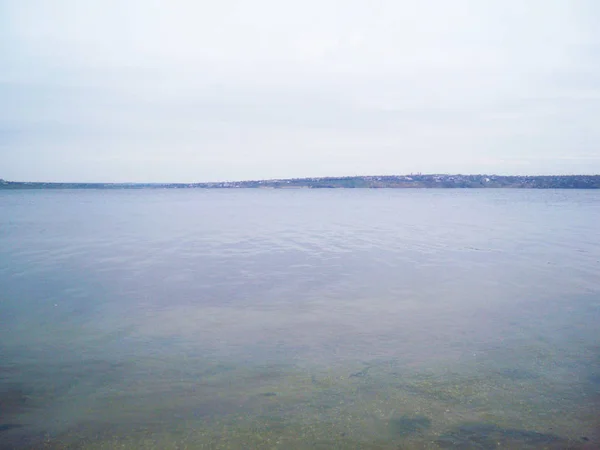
(342, 319)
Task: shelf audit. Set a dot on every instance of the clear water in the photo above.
(292, 319)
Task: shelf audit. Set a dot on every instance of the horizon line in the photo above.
(300, 178)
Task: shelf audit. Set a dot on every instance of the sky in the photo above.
(197, 90)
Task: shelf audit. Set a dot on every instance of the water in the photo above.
(292, 319)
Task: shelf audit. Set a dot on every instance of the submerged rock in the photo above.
(407, 425)
(516, 374)
(9, 426)
(13, 399)
(488, 436)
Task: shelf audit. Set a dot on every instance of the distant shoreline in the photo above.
(442, 181)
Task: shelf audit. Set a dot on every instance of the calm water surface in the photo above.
(349, 319)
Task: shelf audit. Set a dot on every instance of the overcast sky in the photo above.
(198, 90)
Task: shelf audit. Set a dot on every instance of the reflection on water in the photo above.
(299, 319)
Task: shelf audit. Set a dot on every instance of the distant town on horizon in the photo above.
(349, 182)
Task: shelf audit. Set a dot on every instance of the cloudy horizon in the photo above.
(183, 91)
